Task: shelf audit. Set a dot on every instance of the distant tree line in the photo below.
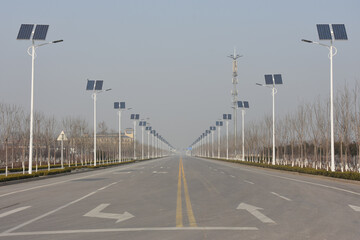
(303, 136)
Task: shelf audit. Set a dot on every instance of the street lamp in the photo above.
(142, 124)
(330, 32)
(96, 87)
(134, 117)
(219, 124)
(227, 118)
(212, 129)
(272, 80)
(243, 105)
(28, 32)
(121, 107)
(148, 129)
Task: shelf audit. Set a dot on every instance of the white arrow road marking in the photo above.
(355, 208)
(255, 212)
(13, 211)
(287, 199)
(158, 172)
(96, 212)
(249, 182)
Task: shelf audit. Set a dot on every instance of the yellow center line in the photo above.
(192, 221)
(178, 202)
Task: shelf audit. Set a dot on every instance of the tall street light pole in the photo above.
(271, 81)
(96, 87)
(219, 124)
(330, 32)
(33, 32)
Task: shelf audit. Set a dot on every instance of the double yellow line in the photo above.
(190, 214)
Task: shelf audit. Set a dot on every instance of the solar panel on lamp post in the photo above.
(96, 87)
(330, 32)
(243, 105)
(227, 118)
(272, 79)
(28, 32)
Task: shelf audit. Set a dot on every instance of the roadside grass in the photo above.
(343, 175)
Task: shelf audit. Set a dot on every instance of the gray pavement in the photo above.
(181, 197)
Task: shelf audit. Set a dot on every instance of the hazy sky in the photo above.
(168, 59)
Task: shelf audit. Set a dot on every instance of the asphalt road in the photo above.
(181, 197)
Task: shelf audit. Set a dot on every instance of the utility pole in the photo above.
(234, 93)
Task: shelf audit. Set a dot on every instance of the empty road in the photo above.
(181, 197)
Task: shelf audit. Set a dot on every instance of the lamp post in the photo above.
(148, 129)
(142, 124)
(330, 32)
(272, 80)
(28, 32)
(134, 117)
(243, 105)
(121, 107)
(219, 124)
(96, 87)
(212, 129)
(227, 118)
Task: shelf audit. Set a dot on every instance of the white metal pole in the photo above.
(212, 144)
(227, 139)
(119, 136)
(219, 141)
(332, 111)
(31, 108)
(152, 145)
(94, 96)
(243, 134)
(148, 144)
(134, 138)
(142, 142)
(62, 152)
(273, 153)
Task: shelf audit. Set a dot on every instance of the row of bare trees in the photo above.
(303, 136)
(14, 140)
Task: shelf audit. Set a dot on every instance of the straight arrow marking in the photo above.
(13, 211)
(96, 212)
(355, 208)
(255, 212)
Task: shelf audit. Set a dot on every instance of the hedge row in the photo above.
(43, 167)
(343, 175)
(18, 176)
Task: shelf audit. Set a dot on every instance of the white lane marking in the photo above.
(287, 199)
(107, 186)
(122, 172)
(73, 179)
(129, 230)
(248, 182)
(13, 211)
(232, 176)
(96, 212)
(355, 208)
(55, 210)
(255, 212)
(291, 179)
(158, 172)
